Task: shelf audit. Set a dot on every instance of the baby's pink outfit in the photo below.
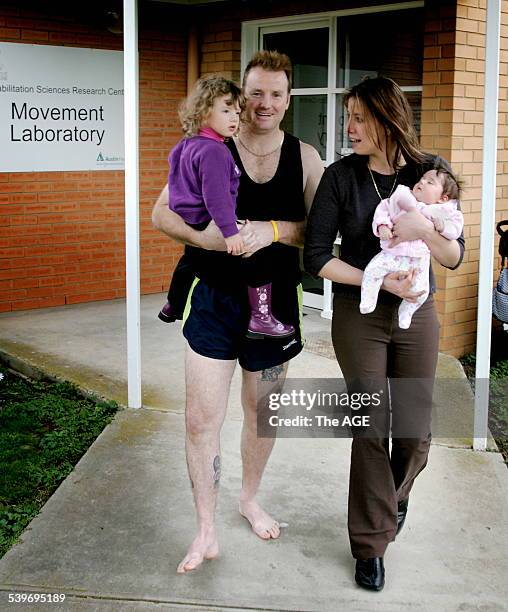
(414, 254)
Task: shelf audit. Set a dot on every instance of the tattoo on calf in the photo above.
(272, 374)
(216, 471)
(188, 472)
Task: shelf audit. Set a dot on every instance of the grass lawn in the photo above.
(498, 401)
(45, 428)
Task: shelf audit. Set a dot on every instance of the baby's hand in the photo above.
(234, 245)
(438, 224)
(385, 233)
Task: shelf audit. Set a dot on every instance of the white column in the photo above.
(327, 311)
(131, 112)
(488, 213)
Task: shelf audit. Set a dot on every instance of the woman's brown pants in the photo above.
(371, 348)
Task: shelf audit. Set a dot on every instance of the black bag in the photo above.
(503, 241)
(500, 291)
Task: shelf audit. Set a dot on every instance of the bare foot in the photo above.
(263, 525)
(204, 546)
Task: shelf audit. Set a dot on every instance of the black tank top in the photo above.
(280, 198)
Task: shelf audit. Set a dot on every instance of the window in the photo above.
(308, 47)
(333, 51)
(308, 50)
(395, 50)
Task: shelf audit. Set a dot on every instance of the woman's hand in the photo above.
(400, 283)
(411, 226)
(414, 226)
(256, 235)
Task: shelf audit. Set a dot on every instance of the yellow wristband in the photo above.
(275, 231)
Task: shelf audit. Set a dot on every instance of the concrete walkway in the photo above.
(111, 536)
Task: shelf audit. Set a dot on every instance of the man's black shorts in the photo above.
(215, 325)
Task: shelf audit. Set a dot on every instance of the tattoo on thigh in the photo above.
(272, 374)
(216, 471)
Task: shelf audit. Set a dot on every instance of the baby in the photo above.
(435, 195)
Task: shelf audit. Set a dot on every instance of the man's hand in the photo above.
(411, 226)
(234, 245)
(400, 283)
(256, 235)
(175, 227)
(211, 238)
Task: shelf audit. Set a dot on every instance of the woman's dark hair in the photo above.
(385, 101)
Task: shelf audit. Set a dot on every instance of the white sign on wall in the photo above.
(61, 108)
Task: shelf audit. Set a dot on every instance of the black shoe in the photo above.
(166, 314)
(370, 574)
(401, 514)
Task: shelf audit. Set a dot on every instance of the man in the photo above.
(279, 178)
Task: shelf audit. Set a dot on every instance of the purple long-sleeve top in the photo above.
(203, 183)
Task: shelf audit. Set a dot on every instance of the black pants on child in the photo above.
(254, 270)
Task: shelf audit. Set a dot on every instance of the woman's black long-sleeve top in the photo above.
(344, 204)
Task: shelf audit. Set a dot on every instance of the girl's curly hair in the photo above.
(195, 108)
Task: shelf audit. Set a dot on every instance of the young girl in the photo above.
(435, 195)
(203, 184)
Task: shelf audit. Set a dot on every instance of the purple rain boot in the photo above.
(166, 314)
(262, 323)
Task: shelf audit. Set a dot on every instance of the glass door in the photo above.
(331, 52)
(308, 47)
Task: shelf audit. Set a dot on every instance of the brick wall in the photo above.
(437, 136)
(62, 233)
(220, 50)
(452, 125)
(466, 156)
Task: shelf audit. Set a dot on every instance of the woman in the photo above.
(371, 347)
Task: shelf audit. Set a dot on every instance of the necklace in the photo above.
(375, 185)
(260, 154)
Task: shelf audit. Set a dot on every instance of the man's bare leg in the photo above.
(255, 452)
(207, 389)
